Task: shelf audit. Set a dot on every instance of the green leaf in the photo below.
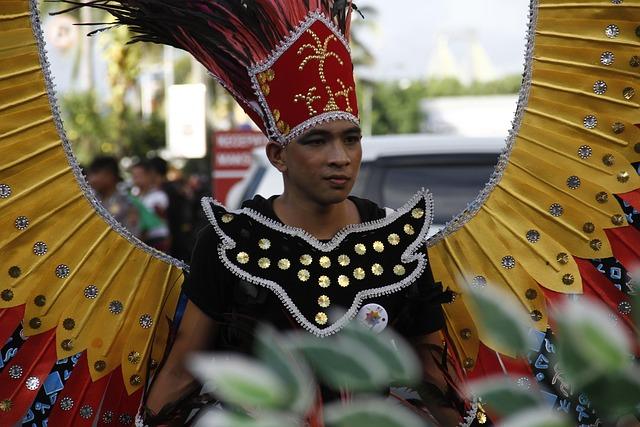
(590, 343)
(504, 397)
(371, 413)
(398, 357)
(239, 380)
(539, 417)
(341, 362)
(502, 319)
(301, 386)
(221, 418)
(616, 394)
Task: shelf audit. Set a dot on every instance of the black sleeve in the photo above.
(422, 312)
(206, 283)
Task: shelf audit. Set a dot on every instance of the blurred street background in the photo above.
(437, 83)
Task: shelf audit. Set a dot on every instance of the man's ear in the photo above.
(276, 154)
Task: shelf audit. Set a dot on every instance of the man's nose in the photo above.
(338, 154)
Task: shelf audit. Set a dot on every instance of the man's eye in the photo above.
(353, 139)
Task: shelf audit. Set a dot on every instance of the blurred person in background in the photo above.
(104, 176)
(153, 207)
(178, 212)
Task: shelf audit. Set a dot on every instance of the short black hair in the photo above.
(144, 164)
(159, 165)
(107, 164)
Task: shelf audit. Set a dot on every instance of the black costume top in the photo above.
(236, 284)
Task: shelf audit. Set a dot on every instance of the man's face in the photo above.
(103, 181)
(140, 177)
(323, 164)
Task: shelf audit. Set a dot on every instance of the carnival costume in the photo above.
(87, 309)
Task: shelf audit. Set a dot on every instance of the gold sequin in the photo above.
(134, 357)
(100, 365)
(321, 318)
(393, 239)
(399, 270)
(609, 160)
(623, 176)
(135, 380)
(276, 115)
(264, 244)
(360, 249)
(378, 246)
(264, 262)
(324, 281)
(284, 264)
(377, 269)
(531, 294)
(596, 244)
(343, 281)
(602, 197)
(465, 334)
(617, 220)
(344, 260)
(5, 405)
(304, 275)
(536, 315)
(67, 345)
(568, 279)
(324, 301)
(227, 218)
(588, 227)
(408, 229)
(469, 363)
(242, 257)
(417, 213)
(359, 273)
(562, 258)
(306, 259)
(325, 262)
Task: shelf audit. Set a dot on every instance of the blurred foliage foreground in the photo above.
(278, 388)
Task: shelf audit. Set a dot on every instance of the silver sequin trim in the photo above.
(607, 58)
(612, 31)
(584, 152)
(479, 282)
(125, 419)
(107, 417)
(590, 122)
(600, 87)
(533, 236)
(573, 182)
(86, 412)
(556, 210)
(508, 262)
(115, 307)
(624, 308)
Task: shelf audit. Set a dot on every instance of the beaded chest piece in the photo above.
(318, 280)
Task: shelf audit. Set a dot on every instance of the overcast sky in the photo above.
(405, 32)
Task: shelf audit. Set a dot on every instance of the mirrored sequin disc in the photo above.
(115, 307)
(146, 321)
(107, 417)
(607, 58)
(86, 412)
(5, 191)
(264, 263)
(508, 262)
(479, 282)
(32, 383)
(624, 308)
(40, 248)
(612, 31)
(399, 270)
(321, 318)
(62, 271)
(306, 259)
(359, 273)
(324, 281)
(344, 260)
(590, 122)
(378, 246)
(303, 275)
(284, 264)
(15, 372)
(343, 281)
(393, 239)
(242, 257)
(22, 222)
(377, 269)
(556, 210)
(600, 87)
(360, 249)
(66, 403)
(264, 244)
(324, 262)
(324, 301)
(373, 317)
(533, 236)
(584, 152)
(573, 182)
(91, 292)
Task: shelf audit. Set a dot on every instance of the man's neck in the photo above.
(321, 221)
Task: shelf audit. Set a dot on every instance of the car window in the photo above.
(453, 186)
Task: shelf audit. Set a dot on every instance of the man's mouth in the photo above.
(338, 179)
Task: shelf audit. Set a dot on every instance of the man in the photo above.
(291, 259)
(104, 176)
(154, 228)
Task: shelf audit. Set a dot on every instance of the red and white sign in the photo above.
(232, 158)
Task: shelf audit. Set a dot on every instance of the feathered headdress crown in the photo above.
(286, 62)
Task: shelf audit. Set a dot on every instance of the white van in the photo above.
(454, 168)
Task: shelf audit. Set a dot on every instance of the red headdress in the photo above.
(286, 62)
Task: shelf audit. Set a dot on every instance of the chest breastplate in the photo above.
(323, 283)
